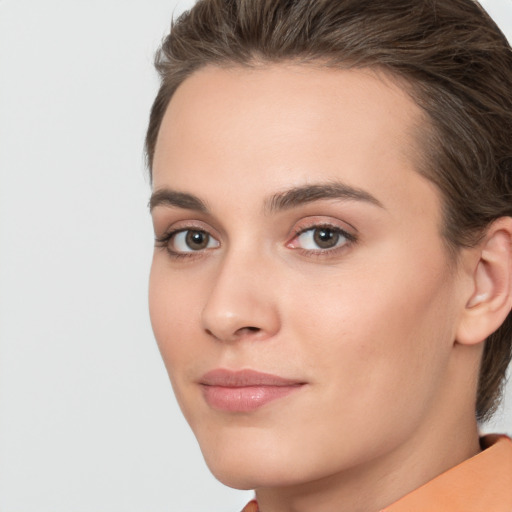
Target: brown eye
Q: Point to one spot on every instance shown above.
(191, 240)
(326, 238)
(197, 240)
(321, 239)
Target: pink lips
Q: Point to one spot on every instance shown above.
(245, 390)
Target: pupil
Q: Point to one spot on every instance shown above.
(197, 239)
(326, 238)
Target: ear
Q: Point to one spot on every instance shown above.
(491, 287)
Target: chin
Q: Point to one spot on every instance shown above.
(238, 468)
(258, 465)
(248, 476)
(239, 481)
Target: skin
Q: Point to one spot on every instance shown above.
(369, 326)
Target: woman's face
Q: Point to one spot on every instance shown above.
(297, 241)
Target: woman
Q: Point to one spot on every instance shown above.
(331, 283)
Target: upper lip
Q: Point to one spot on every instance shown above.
(244, 378)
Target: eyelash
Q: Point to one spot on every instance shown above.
(350, 239)
(163, 241)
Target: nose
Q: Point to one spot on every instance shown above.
(242, 301)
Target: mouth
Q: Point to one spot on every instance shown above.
(245, 390)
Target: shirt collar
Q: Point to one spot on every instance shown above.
(483, 482)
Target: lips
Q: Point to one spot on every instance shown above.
(245, 390)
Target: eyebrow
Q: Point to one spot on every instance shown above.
(297, 196)
(168, 197)
(288, 199)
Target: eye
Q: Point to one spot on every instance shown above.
(192, 240)
(321, 238)
(186, 241)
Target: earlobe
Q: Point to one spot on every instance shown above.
(491, 298)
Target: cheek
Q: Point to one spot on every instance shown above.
(172, 304)
(380, 334)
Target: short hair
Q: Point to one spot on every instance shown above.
(454, 61)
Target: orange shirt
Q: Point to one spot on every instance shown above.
(482, 483)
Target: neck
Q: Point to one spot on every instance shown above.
(380, 482)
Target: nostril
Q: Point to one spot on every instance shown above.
(239, 333)
(212, 334)
(247, 330)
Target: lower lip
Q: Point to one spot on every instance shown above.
(246, 398)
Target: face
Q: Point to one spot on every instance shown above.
(300, 293)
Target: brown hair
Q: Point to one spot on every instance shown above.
(457, 66)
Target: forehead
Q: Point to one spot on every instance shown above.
(283, 102)
(281, 125)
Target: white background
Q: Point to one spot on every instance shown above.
(87, 418)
